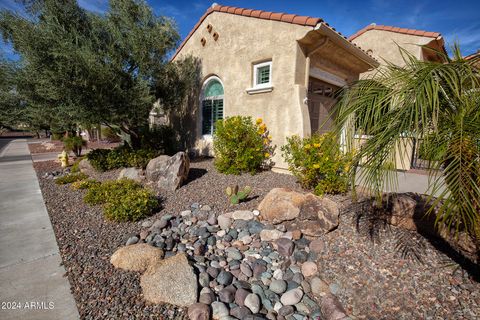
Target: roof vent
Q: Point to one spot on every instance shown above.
(373, 24)
(214, 4)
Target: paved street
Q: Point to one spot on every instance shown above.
(32, 281)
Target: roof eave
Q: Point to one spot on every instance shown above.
(347, 45)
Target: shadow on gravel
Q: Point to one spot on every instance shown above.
(373, 222)
(194, 174)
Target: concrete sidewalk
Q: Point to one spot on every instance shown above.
(32, 281)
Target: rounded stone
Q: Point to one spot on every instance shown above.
(319, 287)
(224, 278)
(292, 297)
(309, 269)
(285, 247)
(317, 246)
(199, 311)
(286, 311)
(132, 240)
(227, 294)
(278, 286)
(219, 310)
(224, 222)
(252, 302)
(240, 296)
(242, 215)
(246, 270)
(240, 312)
(203, 279)
(206, 298)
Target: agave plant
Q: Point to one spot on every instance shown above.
(438, 102)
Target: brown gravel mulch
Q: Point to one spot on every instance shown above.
(57, 146)
(373, 279)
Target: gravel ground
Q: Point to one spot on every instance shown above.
(372, 279)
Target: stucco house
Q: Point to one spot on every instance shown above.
(280, 67)
(383, 42)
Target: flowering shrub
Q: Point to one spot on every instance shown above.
(318, 163)
(242, 145)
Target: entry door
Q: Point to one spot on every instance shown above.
(320, 104)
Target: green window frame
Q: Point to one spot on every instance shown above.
(212, 105)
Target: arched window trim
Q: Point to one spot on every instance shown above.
(211, 98)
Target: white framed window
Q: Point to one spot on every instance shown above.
(262, 78)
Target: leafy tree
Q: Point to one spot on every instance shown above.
(435, 101)
(11, 112)
(86, 68)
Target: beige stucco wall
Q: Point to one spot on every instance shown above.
(384, 46)
(242, 42)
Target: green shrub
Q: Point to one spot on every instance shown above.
(57, 136)
(84, 184)
(123, 200)
(318, 163)
(70, 178)
(98, 159)
(110, 135)
(131, 206)
(74, 144)
(75, 168)
(122, 156)
(161, 138)
(241, 145)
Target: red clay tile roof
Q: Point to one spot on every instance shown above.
(275, 16)
(397, 30)
(473, 55)
(283, 17)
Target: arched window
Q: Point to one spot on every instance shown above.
(212, 104)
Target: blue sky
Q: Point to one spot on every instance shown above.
(456, 20)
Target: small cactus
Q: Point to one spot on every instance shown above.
(236, 196)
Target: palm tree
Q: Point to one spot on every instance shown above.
(439, 102)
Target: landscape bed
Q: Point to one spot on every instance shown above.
(371, 279)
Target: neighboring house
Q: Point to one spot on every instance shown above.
(474, 57)
(280, 67)
(383, 42)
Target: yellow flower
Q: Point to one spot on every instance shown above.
(267, 154)
(259, 120)
(266, 141)
(307, 146)
(316, 166)
(269, 137)
(317, 145)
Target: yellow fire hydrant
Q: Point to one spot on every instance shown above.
(63, 157)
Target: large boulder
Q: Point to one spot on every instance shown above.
(280, 205)
(403, 212)
(168, 172)
(170, 281)
(312, 215)
(86, 167)
(132, 173)
(137, 257)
